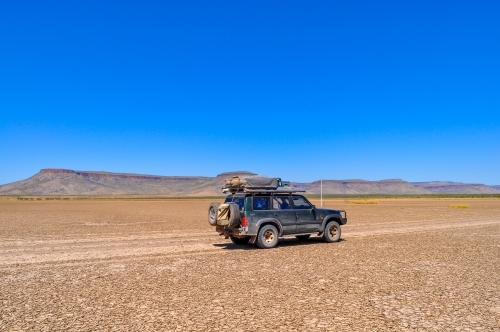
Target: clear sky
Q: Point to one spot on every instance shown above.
(298, 89)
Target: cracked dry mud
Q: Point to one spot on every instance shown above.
(403, 264)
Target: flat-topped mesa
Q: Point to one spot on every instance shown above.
(104, 174)
(354, 181)
(56, 170)
(94, 175)
(444, 184)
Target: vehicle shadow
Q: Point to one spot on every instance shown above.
(232, 246)
(291, 242)
(283, 242)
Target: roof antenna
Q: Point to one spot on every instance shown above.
(321, 192)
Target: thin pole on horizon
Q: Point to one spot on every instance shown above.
(321, 192)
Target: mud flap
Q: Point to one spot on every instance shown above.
(252, 239)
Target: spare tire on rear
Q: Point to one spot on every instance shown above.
(234, 215)
(212, 213)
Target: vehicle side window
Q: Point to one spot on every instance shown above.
(300, 203)
(261, 203)
(240, 201)
(281, 203)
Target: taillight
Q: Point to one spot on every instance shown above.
(244, 222)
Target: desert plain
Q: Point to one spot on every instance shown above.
(408, 264)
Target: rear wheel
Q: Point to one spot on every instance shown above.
(303, 237)
(332, 232)
(267, 237)
(240, 240)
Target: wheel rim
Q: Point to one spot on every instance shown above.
(212, 214)
(333, 231)
(269, 237)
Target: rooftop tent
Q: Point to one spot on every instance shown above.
(252, 182)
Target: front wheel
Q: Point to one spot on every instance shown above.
(240, 240)
(267, 237)
(332, 232)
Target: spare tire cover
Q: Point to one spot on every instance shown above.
(223, 215)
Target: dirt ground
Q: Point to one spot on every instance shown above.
(402, 264)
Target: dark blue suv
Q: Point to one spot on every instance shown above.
(262, 216)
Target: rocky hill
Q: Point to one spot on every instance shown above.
(69, 182)
(393, 187)
(442, 187)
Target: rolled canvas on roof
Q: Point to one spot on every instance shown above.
(253, 182)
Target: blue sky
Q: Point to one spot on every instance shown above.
(298, 89)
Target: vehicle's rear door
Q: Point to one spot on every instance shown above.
(306, 221)
(282, 210)
(261, 206)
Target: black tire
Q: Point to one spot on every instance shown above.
(234, 215)
(303, 237)
(332, 232)
(240, 240)
(212, 213)
(267, 237)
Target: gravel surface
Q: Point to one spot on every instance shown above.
(402, 264)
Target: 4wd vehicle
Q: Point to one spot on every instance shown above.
(260, 210)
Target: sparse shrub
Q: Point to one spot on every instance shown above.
(459, 206)
(362, 201)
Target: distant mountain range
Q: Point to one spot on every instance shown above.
(54, 181)
(443, 187)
